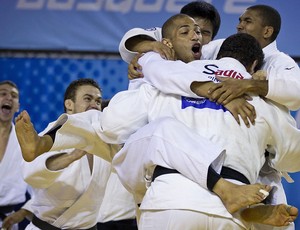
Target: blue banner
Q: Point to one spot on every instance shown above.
(98, 25)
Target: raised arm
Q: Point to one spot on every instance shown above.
(71, 131)
(194, 79)
(174, 77)
(282, 84)
(134, 41)
(138, 41)
(230, 89)
(91, 130)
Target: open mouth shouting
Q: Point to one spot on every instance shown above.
(6, 109)
(196, 48)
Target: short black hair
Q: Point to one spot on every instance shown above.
(243, 47)
(104, 103)
(204, 10)
(11, 83)
(71, 90)
(270, 17)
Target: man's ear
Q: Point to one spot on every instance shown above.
(252, 67)
(269, 30)
(69, 104)
(167, 42)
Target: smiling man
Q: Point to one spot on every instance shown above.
(12, 186)
(69, 185)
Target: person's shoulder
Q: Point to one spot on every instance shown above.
(210, 50)
(275, 56)
(152, 54)
(280, 58)
(216, 42)
(283, 55)
(150, 57)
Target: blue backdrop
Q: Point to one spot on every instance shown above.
(42, 81)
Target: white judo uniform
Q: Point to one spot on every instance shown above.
(69, 198)
(283, 71)
(244, 146)
(118, 203)
(283, 79)
(12, 186)
(127, 55)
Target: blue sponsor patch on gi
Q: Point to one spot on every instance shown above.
(200, 103)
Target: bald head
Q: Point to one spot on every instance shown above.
(172, 24)
(182, 34)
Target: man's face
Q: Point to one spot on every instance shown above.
(186, 40)
(9, 102)
(87, 97)
(206, 29)
(250, 22)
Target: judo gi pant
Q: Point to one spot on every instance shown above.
(184, 219)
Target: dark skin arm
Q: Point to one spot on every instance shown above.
(230, 88)
(134, 68)
(215, 92)
(143, 44)
(237, 107)
(63, 160)
(16, 217)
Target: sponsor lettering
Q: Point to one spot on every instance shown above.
(200, 103)
(229, 73)
(210, 69)
(126, 6)
(213, 71)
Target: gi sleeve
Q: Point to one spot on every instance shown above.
(211, 50)
(127, 55)
(173, 77)
(80, 131)
(92, 130)
(284, 141)
(126, 113)
(284, 82)
(37, 174)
